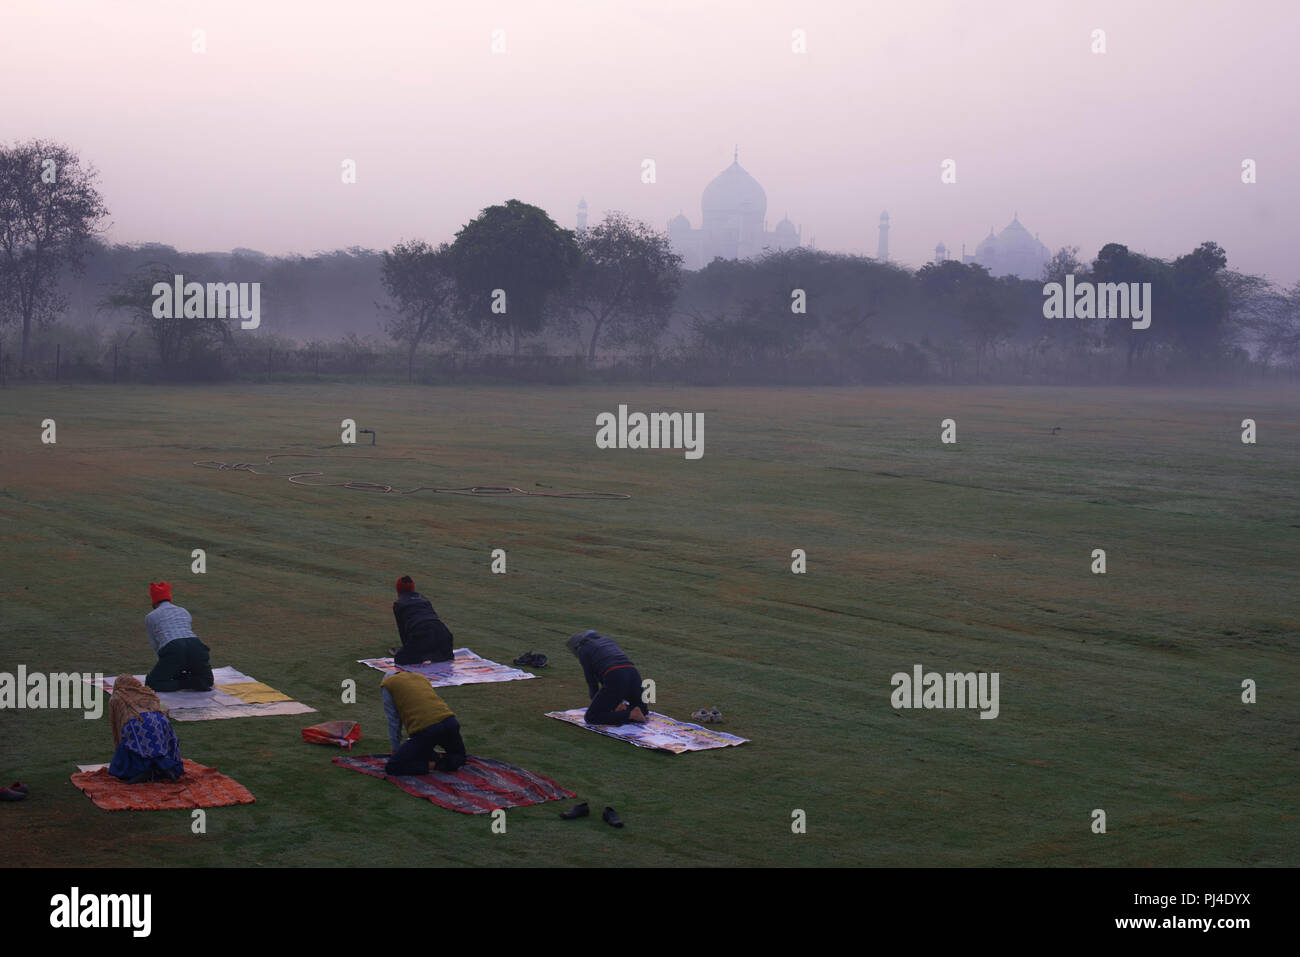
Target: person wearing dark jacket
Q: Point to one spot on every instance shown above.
(612, 680)
(424, 636)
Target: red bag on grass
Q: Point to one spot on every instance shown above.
(342, 733)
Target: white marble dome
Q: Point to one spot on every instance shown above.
(734, 191)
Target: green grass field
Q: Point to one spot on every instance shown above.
(1119, 691)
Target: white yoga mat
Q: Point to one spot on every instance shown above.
(466, 668)
(661, 732)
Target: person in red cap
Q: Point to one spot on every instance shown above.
(183, 660)
(424, 636)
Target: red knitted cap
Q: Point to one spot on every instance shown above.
(160, 591)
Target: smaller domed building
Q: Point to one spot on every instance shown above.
(1012, 252)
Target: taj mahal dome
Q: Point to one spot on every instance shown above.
(734, 223)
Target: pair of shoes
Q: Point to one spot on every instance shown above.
(15, 792)
(531, 660)
(708, 716)
(610, 816)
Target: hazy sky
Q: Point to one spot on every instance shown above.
(242, 145)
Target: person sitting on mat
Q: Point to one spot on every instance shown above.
(146, 745)
(612, 679)
(424, 636)
(183, 661)
(411, 703)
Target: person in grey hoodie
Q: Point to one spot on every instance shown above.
(612, 680)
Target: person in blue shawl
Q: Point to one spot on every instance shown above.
(147, 749)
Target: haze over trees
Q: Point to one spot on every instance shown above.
(134, 295)
(859, 321)
(427, 309)
(49, 212)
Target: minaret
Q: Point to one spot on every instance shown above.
(582, 217)
(882, 247)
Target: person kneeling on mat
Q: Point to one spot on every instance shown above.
(183, 662)
(424, 636)
(147, 749)
(612, 680)
(411, 703)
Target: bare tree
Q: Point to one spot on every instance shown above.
(49, 211)
(420, 281)
(1263, 317)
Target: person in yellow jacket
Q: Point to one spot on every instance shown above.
(411, 703)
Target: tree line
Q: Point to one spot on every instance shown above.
(513, 282)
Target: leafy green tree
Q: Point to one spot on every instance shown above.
(419, 279)
(518, 249)
(1201, 302)
(1073, 335)
(966, 294)
(1116, 263)
(626, 282)
(951, 280)
(986, 321)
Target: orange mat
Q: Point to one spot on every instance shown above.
(199, 786)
